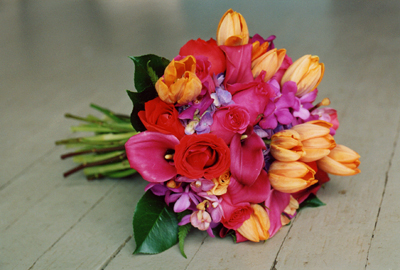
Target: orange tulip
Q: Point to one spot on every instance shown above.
(286, 146)
(179, 83)
(290, 177)
(269, 61)
(306, 72)
(257, 226)
(232, 29)
(316, 140)
(340, 161)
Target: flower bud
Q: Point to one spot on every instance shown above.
(306, 72)
(256, 227)
(290, 177)
(269, 61)
(179, 83)
(340, 161)
(286, 146)
(232, 30)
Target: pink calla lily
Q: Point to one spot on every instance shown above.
(247, 159)
(146, 154)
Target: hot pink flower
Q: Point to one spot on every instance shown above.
(230, 120)
(146, 154)
(247, 158)
(238, 64)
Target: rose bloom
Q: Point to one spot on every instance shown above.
(161, 117)
(209, 49)
(235, 215)
(230, 120)
(203, 155)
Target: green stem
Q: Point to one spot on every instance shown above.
(109, 113)
(98, 163)
(94, 150)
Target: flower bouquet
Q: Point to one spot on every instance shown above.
(228, 136)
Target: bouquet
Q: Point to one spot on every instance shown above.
(227, 134)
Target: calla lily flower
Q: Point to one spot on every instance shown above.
(247, 158)
(146, 154)
(232, 29)
(340, 161)
(306, 72)
(290, 177)
(276, 203)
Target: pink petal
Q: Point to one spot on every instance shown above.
(275, 204)
(146, 154)
(238, 64)
(256, 193)
(247, 158)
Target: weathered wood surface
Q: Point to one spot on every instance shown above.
(58, 57)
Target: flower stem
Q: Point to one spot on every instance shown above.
(94, 150)
(92, 164)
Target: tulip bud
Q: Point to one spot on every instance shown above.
(340, 161)
(269, 61)
(179, 83)
(317, 142)
(291, 177)
(256, 227)
(286, 146)
(306, 72)
(232, 30)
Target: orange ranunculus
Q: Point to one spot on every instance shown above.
(306, 72)
(232, 30)
(221, 184)
(317, 142)
(268, 61)
(291, 177)
(179, 83)
(256, 227)
(286, 146)
(340, 161)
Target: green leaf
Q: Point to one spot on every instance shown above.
(138, 100)
(142, 78)
(311, 201)
(182, 233)
(155, 225)
(147, 70)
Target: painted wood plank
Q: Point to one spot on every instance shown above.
(385, 246)
(48, 220)
(100, 234)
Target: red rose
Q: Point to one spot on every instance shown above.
(234, 214)
(203, 155)
(161, 117)
(209, 49)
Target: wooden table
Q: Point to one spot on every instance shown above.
(59, 56)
